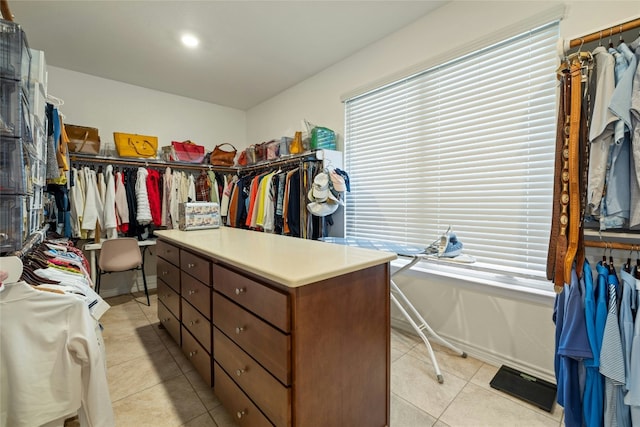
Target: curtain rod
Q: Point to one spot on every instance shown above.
(610, 31)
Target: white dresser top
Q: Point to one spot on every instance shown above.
(290, 261)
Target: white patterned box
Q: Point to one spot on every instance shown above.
(199, 215)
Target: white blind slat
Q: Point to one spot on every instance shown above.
(469, 144)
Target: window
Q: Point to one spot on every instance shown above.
(467, 144)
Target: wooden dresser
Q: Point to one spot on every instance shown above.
(283, 341)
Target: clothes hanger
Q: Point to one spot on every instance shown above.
(638, 262)
(55, 101)
(627, 266)
(610, 42)
(13, 266)
(621, 39)
(612, 269)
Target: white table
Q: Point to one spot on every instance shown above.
(93, 247)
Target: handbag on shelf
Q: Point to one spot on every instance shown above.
(187, 151)
(83, 139)
(242, 158)
(220, 157)
(296, 145)
(134, 145)
(273, 149)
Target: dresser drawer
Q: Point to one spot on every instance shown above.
(168, 273)
(197, 294)
(265, 302)
(168, 252)
(242, 410)
(197, 324)
(268, 393)
(169, 321)
(269, 346)
(200, 359)
(196, 266)
(169, 297)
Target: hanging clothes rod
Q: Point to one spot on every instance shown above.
(612, 245)
(32, 241)
(271, 163)
(611, 31)
(147, 163)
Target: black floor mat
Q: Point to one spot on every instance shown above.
(533, 390)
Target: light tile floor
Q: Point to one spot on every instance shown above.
(152, 383)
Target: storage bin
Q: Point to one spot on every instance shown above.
(14, 111)
(13, 166)
(13, 222)
(38, 69)
(15, 57)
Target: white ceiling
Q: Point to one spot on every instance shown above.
(249, 50)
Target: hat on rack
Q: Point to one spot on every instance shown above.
(322, 209)
(337, 182)
(320, 189)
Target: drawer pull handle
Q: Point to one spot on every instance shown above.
(168, 295)
(193, 353)
(193, 322)
(165, 320)
(242, 413)
(239, 372)
(191, 292)
(240, 291)
(239, 329)
(190, 265)
(164, 273)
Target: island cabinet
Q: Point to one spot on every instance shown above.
(281, 349)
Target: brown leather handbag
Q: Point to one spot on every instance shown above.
(83, 139)
(220, 157)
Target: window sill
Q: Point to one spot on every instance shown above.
(532, 290)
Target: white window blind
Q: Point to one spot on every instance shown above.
(468, 144)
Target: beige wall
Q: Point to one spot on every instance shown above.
(497, 326)
(113, 106)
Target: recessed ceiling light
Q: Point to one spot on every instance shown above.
(190, 40)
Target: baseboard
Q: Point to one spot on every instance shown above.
(483, 354)
(138, 286)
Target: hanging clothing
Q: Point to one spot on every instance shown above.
(93, 210)
(59, 346)
(122, 206)
(601, 129)
(612, 363)
(595, 303)
(153, 192)
(76, 201)
(634, 112)
(166, 198)
(175, 201)
(143, 212)
(110, 220)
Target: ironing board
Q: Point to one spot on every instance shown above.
(416, 253)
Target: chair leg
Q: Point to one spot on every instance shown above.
(98, 282)
(146, 290)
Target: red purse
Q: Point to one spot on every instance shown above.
(187, 151)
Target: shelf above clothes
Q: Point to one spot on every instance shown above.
(148, 162)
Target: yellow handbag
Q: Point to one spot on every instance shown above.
(134, 145)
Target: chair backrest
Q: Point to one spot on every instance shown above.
(119, 254)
